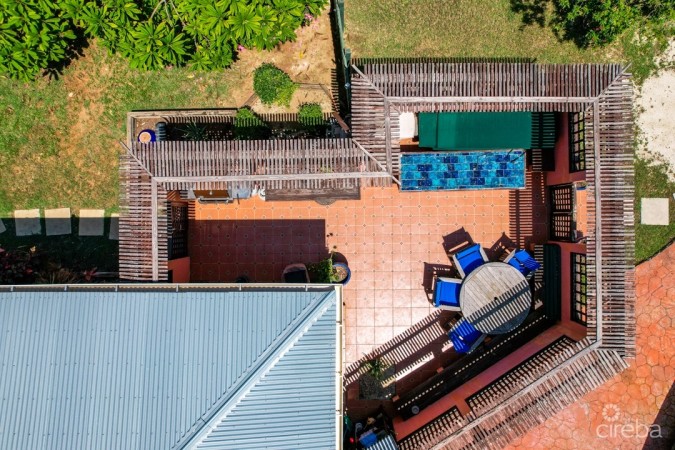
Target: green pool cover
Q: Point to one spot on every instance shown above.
(475, 130)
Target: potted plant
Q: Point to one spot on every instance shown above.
(377, 381)
(329, 271)
(341, 273)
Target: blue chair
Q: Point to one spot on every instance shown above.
(446, 293)
(465, 337)
(468, 259)
(523, 261)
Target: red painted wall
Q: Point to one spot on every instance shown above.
(181, 269)
(562, 156)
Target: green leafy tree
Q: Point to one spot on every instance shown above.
(34, 35)
(598, 22)
(203, 34)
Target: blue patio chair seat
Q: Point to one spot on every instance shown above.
(446, 293)
(523, 261)
(469, 259)
(465, 337)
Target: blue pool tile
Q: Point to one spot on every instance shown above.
(463, 170)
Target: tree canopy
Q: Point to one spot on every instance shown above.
(598, 22)
(38, 35)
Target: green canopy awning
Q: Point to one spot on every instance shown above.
(475, 130)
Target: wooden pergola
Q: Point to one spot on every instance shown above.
(382, 90)
(150, 171)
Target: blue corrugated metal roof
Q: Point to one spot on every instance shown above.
(150, 370)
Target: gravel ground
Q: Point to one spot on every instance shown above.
(655, 105)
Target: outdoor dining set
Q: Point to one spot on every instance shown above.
(493, 296)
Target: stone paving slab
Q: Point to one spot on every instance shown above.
(2, 227)
(654, 211)
(625, 411)
(27, 222)
(114, 233)
(91, 222)
(57, 221)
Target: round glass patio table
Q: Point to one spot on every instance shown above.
(495, 298)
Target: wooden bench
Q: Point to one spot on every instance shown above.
(469, 366)
(552, 296)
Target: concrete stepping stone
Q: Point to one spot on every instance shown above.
(27, 222)
(654, 211)
(2, 227)
(91, 222)
(114, 234)
(57, 221)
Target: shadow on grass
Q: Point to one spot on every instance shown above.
(556, 15)
(532, 11)
(74, 51)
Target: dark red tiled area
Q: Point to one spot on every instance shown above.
(392, 240)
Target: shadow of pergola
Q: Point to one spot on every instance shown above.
(421, 344)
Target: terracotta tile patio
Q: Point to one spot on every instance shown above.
(642, 395)
(390, 239)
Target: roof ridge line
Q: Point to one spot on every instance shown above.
(288, 338)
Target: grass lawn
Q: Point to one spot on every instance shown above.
(464, 28)
(59, 144)
(652, 181)
(59, 138)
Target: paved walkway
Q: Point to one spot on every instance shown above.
(58, 222)
(634, 399)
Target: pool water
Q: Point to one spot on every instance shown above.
(495, 169)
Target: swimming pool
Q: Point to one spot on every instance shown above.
(496, 169)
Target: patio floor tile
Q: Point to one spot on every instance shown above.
(389, 239)
(654, 211)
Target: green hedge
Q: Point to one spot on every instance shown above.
(310, 114)
(273, 85)
(247, 125)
